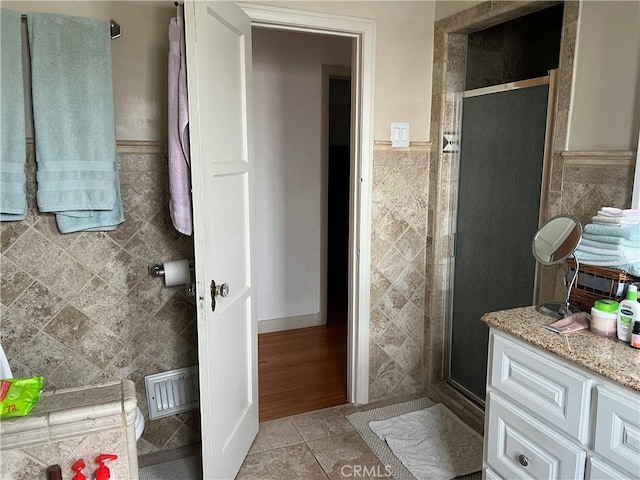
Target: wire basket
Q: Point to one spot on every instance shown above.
(595, 283)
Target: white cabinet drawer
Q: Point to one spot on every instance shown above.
(600, 470)
(617, 430)
(536, 381)
(522, 447)
(489, 474)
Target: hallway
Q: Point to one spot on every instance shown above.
(302, 370)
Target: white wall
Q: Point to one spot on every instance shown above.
(404, 58)
(287, 70)
(605, 111)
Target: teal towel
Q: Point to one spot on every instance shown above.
(609, 240)
(630, 268)
(100, 221)
(608, 247)
(616, 258)
(628, 232)
(13, 153)
(74, 121)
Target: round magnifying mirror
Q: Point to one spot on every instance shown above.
(557, 239)
(553, 244)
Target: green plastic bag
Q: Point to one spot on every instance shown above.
(18, 396)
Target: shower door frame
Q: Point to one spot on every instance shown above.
(550, 80)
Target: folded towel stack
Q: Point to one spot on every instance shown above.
(608, 245)
(617, 216)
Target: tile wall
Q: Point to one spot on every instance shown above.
(582, 183)
(81, 308)
(399, 243)
(591, 180)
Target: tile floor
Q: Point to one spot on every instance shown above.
(317, 445)
(311, 446)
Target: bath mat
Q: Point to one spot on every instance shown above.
(442, 422)
(189, 468)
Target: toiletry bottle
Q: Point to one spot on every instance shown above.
(54, 472)
(77, 467)
(635, 335)
(628, 313)
(103, 472)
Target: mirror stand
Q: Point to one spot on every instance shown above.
(560, 310)
(551, 309)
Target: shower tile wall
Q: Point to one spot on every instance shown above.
(591, 180)
(398, 246)
(81, 308)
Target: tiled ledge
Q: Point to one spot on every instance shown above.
(69, 424)
(72, 412)
(599, 157)
(135, 147)
(385, 145)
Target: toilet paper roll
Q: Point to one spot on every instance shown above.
(177, 273)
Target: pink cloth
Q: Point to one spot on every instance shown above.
(179, 163)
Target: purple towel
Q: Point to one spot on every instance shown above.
(179, 164)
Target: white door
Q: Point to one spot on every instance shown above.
(218, 39)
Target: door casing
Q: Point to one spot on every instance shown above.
(362, 31)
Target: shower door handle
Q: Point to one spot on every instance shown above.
(218, 290)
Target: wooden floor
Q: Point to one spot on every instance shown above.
(302, 370)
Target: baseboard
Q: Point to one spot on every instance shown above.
(289, 323)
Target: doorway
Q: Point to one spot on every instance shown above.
(303, 163)
(362, 34)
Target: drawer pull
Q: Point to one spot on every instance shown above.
(524, 461)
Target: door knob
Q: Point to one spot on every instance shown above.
(218, 290)
(524, 461)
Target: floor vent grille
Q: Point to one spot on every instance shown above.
(172, 392)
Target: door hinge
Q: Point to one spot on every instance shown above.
(452, 244)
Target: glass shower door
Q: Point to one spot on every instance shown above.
(501, 165)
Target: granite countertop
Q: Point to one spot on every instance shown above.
(608, 357)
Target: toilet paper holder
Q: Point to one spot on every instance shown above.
(157, 269)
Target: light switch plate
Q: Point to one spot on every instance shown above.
(399, 134)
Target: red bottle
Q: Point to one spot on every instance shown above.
(103, 472)
(77, 467)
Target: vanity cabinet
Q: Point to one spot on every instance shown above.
(545, 418)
